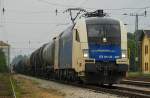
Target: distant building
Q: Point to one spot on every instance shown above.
(143, 37)
(6, 49)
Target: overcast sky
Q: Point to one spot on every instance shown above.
(35, 20)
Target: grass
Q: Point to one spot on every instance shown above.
(5, 84)
(27, 88)
(3, 67)
(17, 88)
(35, 82)
(138, 74)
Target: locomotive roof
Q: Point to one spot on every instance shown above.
(101, 20)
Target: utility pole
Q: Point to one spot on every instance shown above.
(136, 15)
(137, 55)
(136, 22)
(137, 42)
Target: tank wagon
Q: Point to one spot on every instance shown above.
(93, 50)
(20, 63)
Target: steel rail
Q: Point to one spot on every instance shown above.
(12, 86)
(137, 83)
(117, 90)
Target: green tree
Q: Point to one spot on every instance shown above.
(133, 51)
(3, 66)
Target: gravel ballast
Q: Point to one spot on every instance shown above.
(70, 91)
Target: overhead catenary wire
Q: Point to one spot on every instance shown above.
(30, 11)
(56, 4)
(83, 2)
(14, 22)
(59, 11)
(21, 48)
(63, 5)
(39, 12)
(27, 12)
(117, 9)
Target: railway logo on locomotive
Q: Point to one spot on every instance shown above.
(104, 52)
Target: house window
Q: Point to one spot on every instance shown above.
(77, 36)
(146, 49)
(146, 66)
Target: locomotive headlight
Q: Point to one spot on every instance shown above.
(124, 54)
(85, 54)
(104, 39)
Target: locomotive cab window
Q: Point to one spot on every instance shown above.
(99, 32)
(77, 35)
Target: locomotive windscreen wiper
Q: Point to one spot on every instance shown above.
(102, 32)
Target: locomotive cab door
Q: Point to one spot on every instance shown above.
(56, 53)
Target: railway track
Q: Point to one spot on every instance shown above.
(116, 89)
(132, 91)
(5, 86)
(137, 83)
(120, 91)
(5, 91)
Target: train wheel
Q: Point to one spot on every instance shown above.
(101, 84)
(56, 75)
(110, 84)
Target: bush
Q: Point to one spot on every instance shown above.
(3, 66)
(138, 74)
